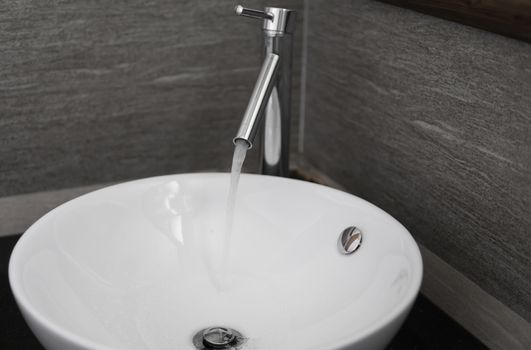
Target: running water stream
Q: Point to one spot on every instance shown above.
(240, 150)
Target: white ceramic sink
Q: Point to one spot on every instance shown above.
(136, 266)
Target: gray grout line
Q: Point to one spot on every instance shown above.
(304, 64)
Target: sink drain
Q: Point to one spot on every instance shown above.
(218, 338)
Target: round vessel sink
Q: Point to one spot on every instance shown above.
(143, 265)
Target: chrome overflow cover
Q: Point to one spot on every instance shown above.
(349, 240)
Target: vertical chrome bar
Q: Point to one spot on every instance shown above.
(275, 142)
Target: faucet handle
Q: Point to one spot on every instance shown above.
(277, 21)
(247, 12)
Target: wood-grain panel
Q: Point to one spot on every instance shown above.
(430, 120)
(508, 17)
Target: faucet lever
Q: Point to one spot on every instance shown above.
(247, 12)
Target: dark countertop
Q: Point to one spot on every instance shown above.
(426, 328)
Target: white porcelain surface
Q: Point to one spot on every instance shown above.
(136, 266)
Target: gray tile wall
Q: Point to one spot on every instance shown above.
(99, 91)
(430, 120)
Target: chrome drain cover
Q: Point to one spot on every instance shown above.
(218, 338)
(349, 240)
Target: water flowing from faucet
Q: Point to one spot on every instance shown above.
(240, 150)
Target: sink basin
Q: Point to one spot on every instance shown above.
(139, 266)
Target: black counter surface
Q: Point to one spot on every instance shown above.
(426, 328)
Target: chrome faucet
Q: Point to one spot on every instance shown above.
(271, 97)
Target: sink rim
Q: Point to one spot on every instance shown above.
(29, 311)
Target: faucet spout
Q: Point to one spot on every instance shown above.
(257, 104)
(270, 106)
